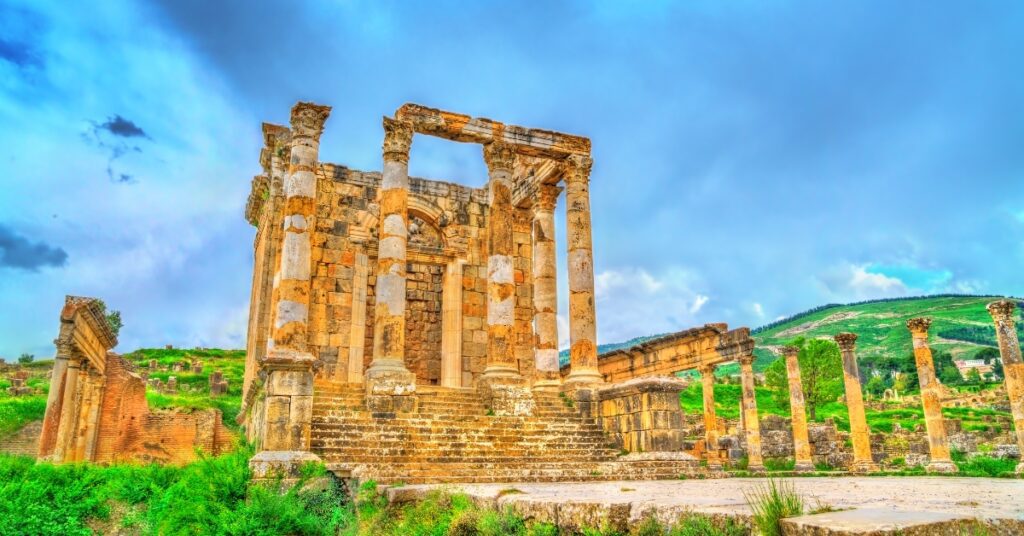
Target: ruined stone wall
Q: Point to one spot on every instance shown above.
(448, 222)
(128, 430)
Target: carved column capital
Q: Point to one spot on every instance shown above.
(577, 168)
(707, 370)
(746, 359)
(397, 140)
(846, 341)
(499, 156)
(545, 198)
(1002, 310)
(308, 119)
(919, 326)
(790, 350)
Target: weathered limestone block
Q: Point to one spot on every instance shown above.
(505, 398)
(643, 414)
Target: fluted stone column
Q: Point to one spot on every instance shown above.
(1013, 367)
(751, 423)
(859, 433)
(501, 287)
(545, 288)
(707, 378)
(288, 407)
(931, 399)
(292, 312)
(798, 414)
(582, 316)
(387, 374)
(68, 410)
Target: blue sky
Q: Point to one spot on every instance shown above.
(752, 159)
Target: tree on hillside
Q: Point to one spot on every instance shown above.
(821, 372)
(25, 359)
(950, 376)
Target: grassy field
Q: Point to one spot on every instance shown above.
(727, 405)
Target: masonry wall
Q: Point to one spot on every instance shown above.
(129, 431)
(452, 225)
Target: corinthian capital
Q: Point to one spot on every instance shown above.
(919, 326)
(308, 119)
(499, 156)
(746, 359)
(577, 168)
(397, 140)
(545, 198)
(846, 341)
(1002, 309)
(790, 350)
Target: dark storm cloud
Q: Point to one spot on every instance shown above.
(19, 252)
(111, 136)
(122, 127)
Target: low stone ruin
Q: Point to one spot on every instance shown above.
(218, 384)
(18, 387)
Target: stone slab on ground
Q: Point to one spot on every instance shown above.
(878, 521)
(995, 503)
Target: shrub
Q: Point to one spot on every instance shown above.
(772, 502)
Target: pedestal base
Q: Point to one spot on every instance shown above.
(864, 467)
(390, 389)
(804, 467)
(941, 467)
(280, 464)
(507, 395)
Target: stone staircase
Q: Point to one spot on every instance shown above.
(451, 438)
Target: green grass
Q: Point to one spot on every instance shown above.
(16, 412)
(727, 406)
(881, 326)
(771, 502)
(213, 495)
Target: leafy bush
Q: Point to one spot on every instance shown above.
(771, 502)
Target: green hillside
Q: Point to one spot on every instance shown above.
(961, 326)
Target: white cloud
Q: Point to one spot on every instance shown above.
(758, 309)
(852, 282)
(631, 301)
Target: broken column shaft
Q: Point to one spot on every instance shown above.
(931, 398)
(859, 433)
(1013, 367)
(752, 426)
(798, 414)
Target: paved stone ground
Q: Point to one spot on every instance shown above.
(884, 501)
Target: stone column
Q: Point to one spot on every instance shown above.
(288, 408)
(798, 414)
(707, 378)
(292, 311)
(451, 325)
(859, 434)
(68, 410)
(582, 316)
(58, 386)
(752, 426)
(357, 330)
(931, 399)
(545, 289)
(1013, 367)
(387, 375)
(501, 289)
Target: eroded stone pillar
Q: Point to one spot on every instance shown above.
(387, 375)
(931, 399)
(58, 388)
(859, 433)
(288, 408)
(1013, 367)
(501, 288)
(451, 325)
(357, 330)
(751, 423)
(582, 316)
(68, 411)
(798, 413)
(292, 312)
(545, 288)
(707, 378)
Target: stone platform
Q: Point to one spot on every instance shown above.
(868, 505)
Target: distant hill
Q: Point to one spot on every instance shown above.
(961, 326)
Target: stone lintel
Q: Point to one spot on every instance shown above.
(648, 384)
(288, 359)
(463, 128)
(285, 464)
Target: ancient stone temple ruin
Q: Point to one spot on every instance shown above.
(404, 329)
(96, 408)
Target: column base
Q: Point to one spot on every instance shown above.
(502, 374)
(584, 376)
(390, 388)
(864, 467)
(547, 385)
(804, 467)
(941, 467)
